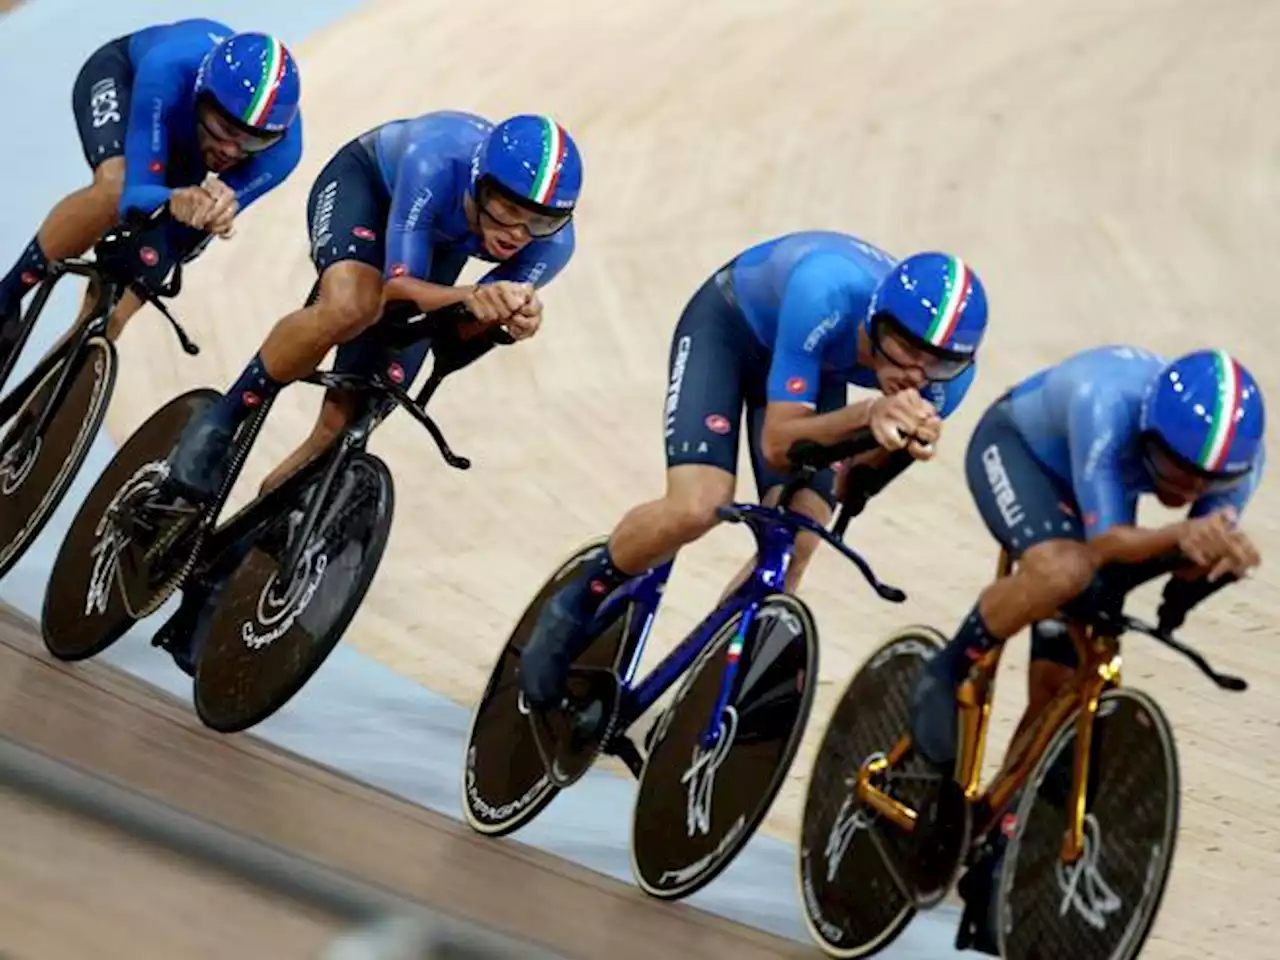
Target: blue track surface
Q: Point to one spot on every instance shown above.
(356, 715)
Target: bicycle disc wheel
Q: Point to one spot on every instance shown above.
(1103, 905)
(696, 808)
(271, 632)
(86, 608)
(852, 902)
(504, 781)
(35, 471)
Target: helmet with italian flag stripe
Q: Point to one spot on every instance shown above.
(1205, 410)
(534, 162)
(934, 301)
(253, 81)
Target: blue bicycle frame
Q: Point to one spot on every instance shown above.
(775, 530)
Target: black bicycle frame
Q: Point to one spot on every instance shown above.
(385, 397)
(111, 286)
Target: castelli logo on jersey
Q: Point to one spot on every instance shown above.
(396, 373)
(717, 424)
(250, 398)
(399, 270)
(149, 256)
(797, 385)
(156, 166)
(29, 278)
(364, 233)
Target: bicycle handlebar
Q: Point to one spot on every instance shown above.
(404, 324)
(811, 455)
(1102, 607)
(407, 325)
(1224, 680)
(134, 254)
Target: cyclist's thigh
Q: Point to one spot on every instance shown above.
(1022, 505)
(713, 356)
(368, 353)
(347, 211)
(832, 395)
(1021, 502)
(100, 100)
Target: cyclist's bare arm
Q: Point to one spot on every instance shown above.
(1211, 542)
(1131, 544)
(899, 420)
(785, 423)
(428, 296)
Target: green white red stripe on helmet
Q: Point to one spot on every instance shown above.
(956, 292)
(273, 67)
(554, 144)
(1225, 415)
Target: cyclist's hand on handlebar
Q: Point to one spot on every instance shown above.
(496, 302)
(1239, 558)
(1203, 539)
(1213, 543)
(896, 420)
(225, 207)
(192, 206)
(924, 440)
(526, 321)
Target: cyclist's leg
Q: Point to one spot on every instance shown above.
(712, 350)
(100, 102)
(1030, 514)
(363, 355)
(817, 501)
(346, 197)
(348, 254)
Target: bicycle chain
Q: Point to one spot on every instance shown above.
(251, 430)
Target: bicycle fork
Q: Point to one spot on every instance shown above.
(733, 657)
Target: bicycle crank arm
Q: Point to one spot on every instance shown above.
(874, 767)
(625, 749)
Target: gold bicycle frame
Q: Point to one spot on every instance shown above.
(1098, 668)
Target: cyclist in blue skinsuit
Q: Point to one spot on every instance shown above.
(395, 215)
(781, 331)
(157, 111)
(1057, 466)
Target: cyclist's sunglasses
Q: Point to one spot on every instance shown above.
(222, 126)
(539, 224)
(904, 349)
(1181, 475)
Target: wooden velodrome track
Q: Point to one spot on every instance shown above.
(1108, 168)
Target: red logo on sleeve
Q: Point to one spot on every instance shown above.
(156, 166)
(797, 385)
(364, 233)
(399, 270)
(717, 424)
